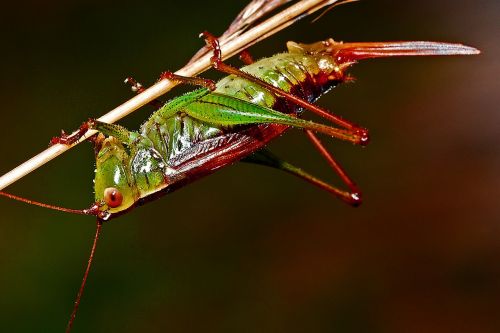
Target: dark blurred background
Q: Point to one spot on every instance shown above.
(250, 249)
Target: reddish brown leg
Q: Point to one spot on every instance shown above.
(265, 157)
(196, 81)
(69, 139)
(246, 57)
(85, 276)
(66, 139)
(359, 132)
(138, 88)
(354, 197)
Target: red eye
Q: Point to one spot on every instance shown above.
(113, 197)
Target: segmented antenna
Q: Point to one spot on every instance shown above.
(85, 275)
(93, 210)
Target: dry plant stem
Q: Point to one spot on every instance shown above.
(254, 11)
(232, 47)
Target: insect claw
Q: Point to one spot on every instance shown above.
(355, 199)
(62, 139)
(134, 85)
(167, 75)
(66, 139)
(216, 62)
(364, 137)
(213, 43)
(349, 79)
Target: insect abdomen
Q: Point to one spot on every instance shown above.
(296, 73)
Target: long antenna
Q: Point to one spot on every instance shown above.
(91, 211)
(85, 275)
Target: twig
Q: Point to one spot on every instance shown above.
(254, 11)
(272, 25)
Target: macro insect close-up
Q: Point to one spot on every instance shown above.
(234, 243)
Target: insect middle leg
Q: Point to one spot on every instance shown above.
(138, 88)
(156, 103)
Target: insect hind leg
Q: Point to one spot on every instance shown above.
(266, 158)
(218, 64)
(355, 191)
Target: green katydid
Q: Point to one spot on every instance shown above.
(231, 120)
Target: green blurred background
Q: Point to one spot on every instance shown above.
(249, 249)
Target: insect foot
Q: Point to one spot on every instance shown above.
(195, 81)
(355, 199)
(66, 139)
(364, 137)
(134, 85)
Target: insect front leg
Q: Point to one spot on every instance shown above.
(117, 131)
(69, 139)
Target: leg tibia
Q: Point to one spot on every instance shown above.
(264, 157)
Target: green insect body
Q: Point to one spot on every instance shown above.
(139, 164)
(197, 133)
(206, 129)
